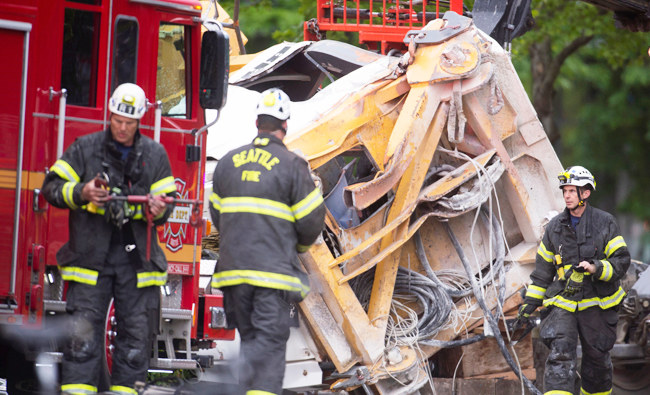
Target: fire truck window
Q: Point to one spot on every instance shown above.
(80, 50)
(172, 77)
(125, 52)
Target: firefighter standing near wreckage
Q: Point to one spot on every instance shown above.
(105, 255)
(578, 268)
(267, 209)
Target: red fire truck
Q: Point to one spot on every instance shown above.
(62, 59)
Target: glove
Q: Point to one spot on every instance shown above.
(523, 315)
(117, 212)
(526, 310)
(574, 283)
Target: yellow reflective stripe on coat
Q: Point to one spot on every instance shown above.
(535, 292)
(604, 303)
(259, 279)
(68, 192)
(259, 392)
(583, 392)
(216, 201)
(79, 389)
(608, 271)
(79, 274)
(148, 279)
(544, 253)
(119, 389)
(571, 306)
(65, 171)
(307, 205)
(559, 301)
(256, 206)
(613, 245)
(557, 392)
(166, 185)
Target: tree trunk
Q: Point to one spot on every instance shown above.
(543, 92)
(545, 69)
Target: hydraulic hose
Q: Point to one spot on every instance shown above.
(436, 304)
(453, 343)
(500, 256)
(489, 318)
(422, 256)
(497, 266)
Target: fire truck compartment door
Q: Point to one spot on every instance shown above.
(13, 78)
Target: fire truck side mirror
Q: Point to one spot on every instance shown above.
(215, 64)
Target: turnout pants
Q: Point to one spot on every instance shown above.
(261, 315)
(596, 329)
(136, 310)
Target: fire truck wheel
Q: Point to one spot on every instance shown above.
(107, 361)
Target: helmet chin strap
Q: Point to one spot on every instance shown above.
(581, 202)
(284, 127)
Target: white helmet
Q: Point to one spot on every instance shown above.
(274, 102)
(129, 101)
(578, 176)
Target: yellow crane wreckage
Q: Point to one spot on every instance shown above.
(451, 137)
(438, 178)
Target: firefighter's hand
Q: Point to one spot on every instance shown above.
(588, 267)
(93, 193)
(523, 315)
(526, 310)
(156, 206)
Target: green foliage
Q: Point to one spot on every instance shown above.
(268, 22)
(612, 134)
(563, 21)
(602, 98)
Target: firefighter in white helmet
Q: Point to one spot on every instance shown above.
(578, 268)
(267, 210)
(105, 256)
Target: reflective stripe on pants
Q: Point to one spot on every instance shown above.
(135, 309)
